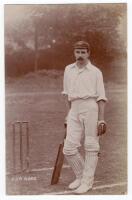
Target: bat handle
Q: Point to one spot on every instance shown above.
(65, 125)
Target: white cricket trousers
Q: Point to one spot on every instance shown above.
(82, 122)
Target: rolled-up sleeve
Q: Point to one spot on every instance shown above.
(100, 87)
(65, 86)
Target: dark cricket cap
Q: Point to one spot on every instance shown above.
(81, 45)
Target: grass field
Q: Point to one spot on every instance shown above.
(36, 98)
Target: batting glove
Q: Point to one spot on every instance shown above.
(101, 127)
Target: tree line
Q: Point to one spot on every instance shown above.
(42, 37)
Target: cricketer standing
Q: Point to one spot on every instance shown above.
(83, 88)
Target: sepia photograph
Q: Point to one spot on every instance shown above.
(66, 99)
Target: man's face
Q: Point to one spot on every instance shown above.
(81, 54)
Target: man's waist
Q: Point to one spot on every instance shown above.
(83, 105)
(82, 100)
(82, 97)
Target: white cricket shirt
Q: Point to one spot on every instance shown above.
(83, 83)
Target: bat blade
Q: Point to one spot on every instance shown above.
(58, 165)
(59, 162)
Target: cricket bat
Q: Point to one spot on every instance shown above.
(59, 162)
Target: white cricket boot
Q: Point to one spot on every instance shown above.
(83, 188)
(75, 184)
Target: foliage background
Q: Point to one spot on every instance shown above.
(41, 37)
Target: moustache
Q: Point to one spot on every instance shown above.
(80, 58)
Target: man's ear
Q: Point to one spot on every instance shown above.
(88, 54)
